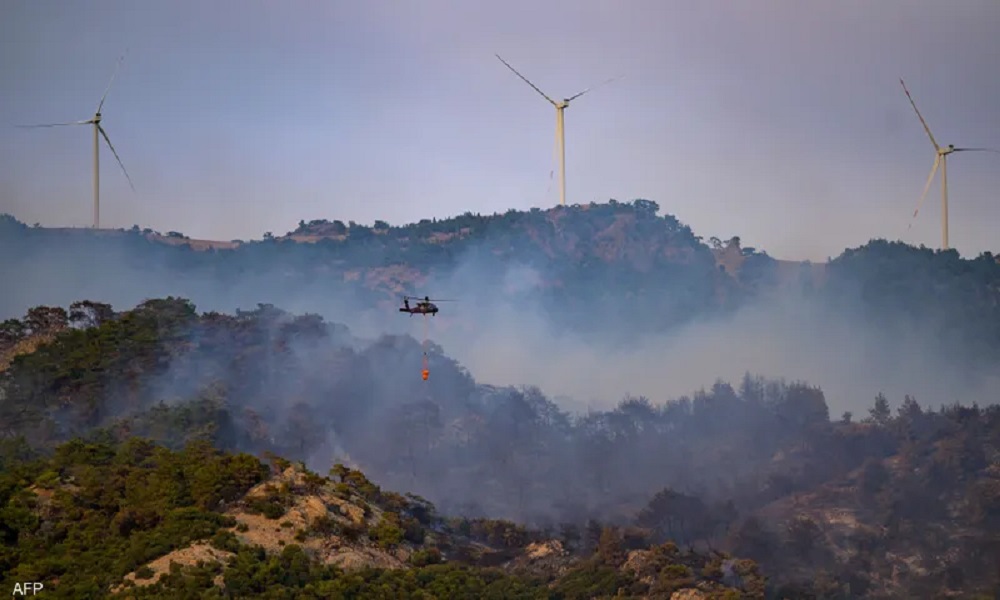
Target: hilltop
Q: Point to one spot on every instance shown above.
(129, 519)
(611, 273)
(581, 267)
(572, 252)
(729, 255)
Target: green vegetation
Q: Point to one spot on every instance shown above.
(272, 504)
(387, 532)
(108, 509)
(900, 503)
(766, 443)
(290, 574)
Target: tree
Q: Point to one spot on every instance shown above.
(610, 547)
(804, 406)
(86, 313)
(909, 409)
(647, 207)
(880, 413)
(340, 472)
(45, 319)
(675, 516)
(11, 332)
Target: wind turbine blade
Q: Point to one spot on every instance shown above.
(920, 116)
(108, 140)
(976, 150)
(533, 86)
(927, 187)
(54, 124)
(113, 75)
(594, 87)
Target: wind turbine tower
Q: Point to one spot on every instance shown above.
(940, 160)
(98, 133)
(560, 124)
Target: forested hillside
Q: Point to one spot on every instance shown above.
(891, 504)
(285, 346)
(130, 519)
(599, 259)
(615, 271)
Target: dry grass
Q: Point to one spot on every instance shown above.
(275, 534)
(185, 557)
(25, 346)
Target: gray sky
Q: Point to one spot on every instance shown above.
(779, 121)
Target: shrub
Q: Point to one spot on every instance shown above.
(324, 525)
(225, 540)
(387, 532)
(269, 507)
(352, 532)
(422, 558)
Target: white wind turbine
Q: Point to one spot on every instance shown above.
(98, 131)
(560, 129)
(940, 160)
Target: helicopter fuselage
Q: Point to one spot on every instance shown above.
(421, 309)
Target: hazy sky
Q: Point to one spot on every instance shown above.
(779, 121)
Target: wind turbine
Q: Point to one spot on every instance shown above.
(940, 160)
(560, 129)
(98, 132)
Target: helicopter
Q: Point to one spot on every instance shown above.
(424, 306)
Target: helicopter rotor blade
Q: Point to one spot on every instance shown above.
(428, 299)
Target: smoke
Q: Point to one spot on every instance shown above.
(501, 331)
(508, 338)
(788, 336)
(355, 395)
